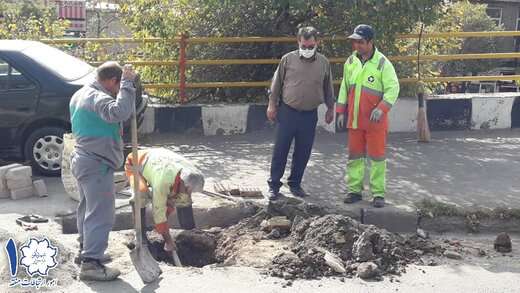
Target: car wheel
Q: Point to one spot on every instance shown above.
(44, 148)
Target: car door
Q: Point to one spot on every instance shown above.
(18, 101)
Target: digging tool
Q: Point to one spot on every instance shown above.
(146, 266)
(213, 194)
(423, 130)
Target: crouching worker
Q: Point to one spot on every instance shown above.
(166, 179)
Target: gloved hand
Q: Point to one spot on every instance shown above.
(340, 120)
(170, 246)
(376, 115)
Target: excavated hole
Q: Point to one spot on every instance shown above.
(195, 248)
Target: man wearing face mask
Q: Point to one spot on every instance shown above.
(172, 179)
(369, 89)
(97, 111)
(300, 84)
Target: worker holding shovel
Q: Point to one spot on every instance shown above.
(97, 111)
(172, 179)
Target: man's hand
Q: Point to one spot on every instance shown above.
(329, 116)
(128, 73)
(340, 120)
(376, 115)
(271, 112)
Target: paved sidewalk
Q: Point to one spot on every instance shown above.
(469, 169)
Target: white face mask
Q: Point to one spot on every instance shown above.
(307, 53)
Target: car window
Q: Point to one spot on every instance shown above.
(17, 81)
(12, 79)
(68, 67)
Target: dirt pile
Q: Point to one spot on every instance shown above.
(318, 245)
(338, 245)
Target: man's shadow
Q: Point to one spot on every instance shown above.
(120, 285)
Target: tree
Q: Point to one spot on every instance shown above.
(26, 19)
(461, 16)
(169, 18)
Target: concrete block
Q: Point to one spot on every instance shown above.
(3, 172)
(40, 188)
(403, 116)
(18, 172)
(491, 112)
(22, 193)
(148, 125)
(21, 182)
(224, 119)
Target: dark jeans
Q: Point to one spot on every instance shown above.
(299, 126)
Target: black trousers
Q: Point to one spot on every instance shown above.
(299, 126)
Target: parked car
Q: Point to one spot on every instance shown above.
(36, 84)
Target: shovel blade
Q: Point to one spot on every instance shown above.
(146, 266)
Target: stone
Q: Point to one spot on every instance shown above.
(422, 234)
(274, 234)
(452, 254)
(281, 223)
(22, 193)
(339, 238)
(215, 230)
(19, 183)
(18, 172)
(503, 243)
(363, 249)
(40, 189)
(334, 262)
(367, 270)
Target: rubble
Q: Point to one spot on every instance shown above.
(280, 223)
(367, 270)
(452, 254)
(503, 243)
(324, 245)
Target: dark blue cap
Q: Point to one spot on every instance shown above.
(363, 32)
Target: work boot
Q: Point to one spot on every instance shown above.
(353, 197)
(378, 202)
(77, 260)
(106, 258)
(273, 194)
(93, 270)
(298, 191)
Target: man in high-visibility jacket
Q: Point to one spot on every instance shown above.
(368, 91)
(172, 179)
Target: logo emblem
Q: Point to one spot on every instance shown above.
(37, 257)
(371, 79)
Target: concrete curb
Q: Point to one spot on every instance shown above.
(208, 213)
(445, 112)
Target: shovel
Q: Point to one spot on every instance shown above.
(146, 266)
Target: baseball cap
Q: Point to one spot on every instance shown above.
(363, 32)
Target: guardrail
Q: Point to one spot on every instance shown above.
(183, 42)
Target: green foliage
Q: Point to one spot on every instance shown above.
(25, 19)
(169, 18)
(461, 16)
